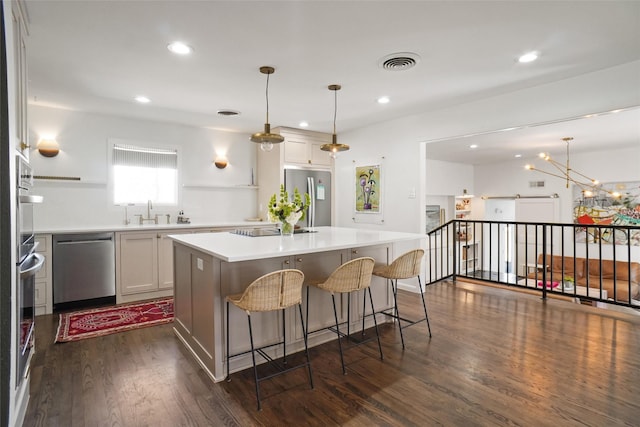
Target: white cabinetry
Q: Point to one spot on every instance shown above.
(144, 265)
(303, 148)
(43, 284)
(20, 33)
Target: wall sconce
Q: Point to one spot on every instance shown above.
(48, 147)
(221, 162)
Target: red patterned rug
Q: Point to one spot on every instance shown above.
(98, 322)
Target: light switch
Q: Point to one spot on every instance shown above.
(412, 192)
(200, 264)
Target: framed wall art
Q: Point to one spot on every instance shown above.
(368, 189)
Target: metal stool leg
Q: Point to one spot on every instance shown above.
(424, 305)
(255, 368)
(375, 322)
(284, 339)
(227, 337)
(364, 309)
(306, 347)
(349, 315)
(307, 314)
(394, 288)
(335, 315)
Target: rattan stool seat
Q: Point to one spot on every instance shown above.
(406, 266)
(354, 275)
(278, 290)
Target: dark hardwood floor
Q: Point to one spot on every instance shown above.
(497, 358)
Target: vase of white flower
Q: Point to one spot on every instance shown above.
(288, 212)
(286, 228)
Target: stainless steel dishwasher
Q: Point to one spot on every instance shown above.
(83, 270)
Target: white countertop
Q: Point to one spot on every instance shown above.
(233, 247)
(72, 229)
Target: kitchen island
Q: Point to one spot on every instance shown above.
(210, 266)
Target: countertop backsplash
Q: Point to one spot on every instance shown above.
(77, 206)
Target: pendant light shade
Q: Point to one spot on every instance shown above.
(266, 139)
(334, 148)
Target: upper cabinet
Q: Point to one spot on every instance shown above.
(302, 148)
(20, 33)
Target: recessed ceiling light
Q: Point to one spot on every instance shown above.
(472, 146)
(142, 99)
(517, 156)
(303, 124)
(383, 100)
(528, 57)
(179, 48)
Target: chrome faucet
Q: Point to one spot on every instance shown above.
(149, 207)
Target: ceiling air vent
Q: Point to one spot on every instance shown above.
(399, 61)
(536, 184)
(228, 112)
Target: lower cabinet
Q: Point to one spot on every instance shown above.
(144, 262)
(144, 265)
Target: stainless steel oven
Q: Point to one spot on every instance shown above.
(28, 264)
(24, 208)
(25, 303)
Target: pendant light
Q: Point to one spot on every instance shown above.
(334, 148)
(266, 139)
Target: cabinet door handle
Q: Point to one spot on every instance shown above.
(287, 262)
(355, 251)
(298, 259)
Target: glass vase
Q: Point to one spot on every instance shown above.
(286, 229)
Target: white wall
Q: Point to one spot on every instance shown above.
(448, 177)
(83, 139)
(401, 169)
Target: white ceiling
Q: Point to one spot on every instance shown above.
(97, 55)
(616, 129)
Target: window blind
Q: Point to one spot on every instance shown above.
(145, 157)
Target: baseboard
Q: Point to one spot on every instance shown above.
(409, 287)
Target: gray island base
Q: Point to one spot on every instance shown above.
(210, 266)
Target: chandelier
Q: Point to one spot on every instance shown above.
(334, 148)
(266, 139)
(590, 187)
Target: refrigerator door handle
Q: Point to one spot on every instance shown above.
(311, 188)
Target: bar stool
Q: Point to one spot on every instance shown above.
(273, 291)
(405, 266)
(351, 276)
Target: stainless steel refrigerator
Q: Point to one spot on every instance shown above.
(318, 184)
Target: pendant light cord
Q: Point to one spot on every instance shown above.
(335, 109)
(267, 96)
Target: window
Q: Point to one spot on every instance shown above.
(144, 173)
